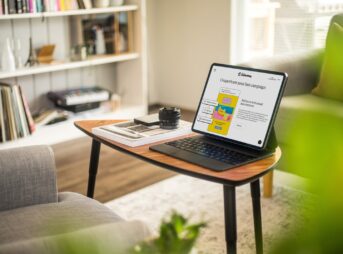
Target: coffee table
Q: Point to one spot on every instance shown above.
(230, 179)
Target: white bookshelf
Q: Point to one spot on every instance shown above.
(65, 131)
(125, 74)
(68, 65)
(70, 12)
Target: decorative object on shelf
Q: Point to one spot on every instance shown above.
(124, 39)
(32, 59)
(79, 99)
(7, 57)
(101, 3)
(17, 55)
(78, 53)
(100, 47)
(115, 29)
(122, 43)
(178, 231)
(99, 32)
(115, 102)
(45, 54)
(117, 2)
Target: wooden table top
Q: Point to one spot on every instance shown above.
(235, 176)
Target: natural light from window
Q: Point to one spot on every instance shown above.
(262, 28)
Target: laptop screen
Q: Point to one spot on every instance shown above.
(239, 104)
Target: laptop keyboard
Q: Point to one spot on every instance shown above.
(212, 151)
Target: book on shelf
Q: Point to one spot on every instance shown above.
(132, 134)
(15, 116)
(87, 4)
(50, 116)
(19, 6)
(38, 6)
(25, 8)
(12, 6)
(32, 6)
(9, 111)
(4, 8)
(28, 115)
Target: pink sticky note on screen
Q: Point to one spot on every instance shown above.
(227, 100)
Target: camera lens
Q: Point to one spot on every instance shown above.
(169, 117)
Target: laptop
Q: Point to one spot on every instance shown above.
(235, 118)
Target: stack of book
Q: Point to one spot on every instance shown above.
(35, 6)
(15, 116)
(135, 134)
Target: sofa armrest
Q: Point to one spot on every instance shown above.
(27, 177)
(118, 238)
(303, 69)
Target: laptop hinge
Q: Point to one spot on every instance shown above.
(272, 141)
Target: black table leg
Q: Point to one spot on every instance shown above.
(230, 219)
(256, 205)
(93, 167)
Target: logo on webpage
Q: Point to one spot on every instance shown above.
(242, 74)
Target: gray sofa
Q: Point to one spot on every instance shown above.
(35, 218)
(303, 75)
(304, 72)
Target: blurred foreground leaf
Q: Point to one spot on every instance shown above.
(177, 236)
(316, 151)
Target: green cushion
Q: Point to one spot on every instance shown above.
(291, 109)
(331, 79)
(293, 106)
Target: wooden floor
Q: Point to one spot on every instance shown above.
(118, 173)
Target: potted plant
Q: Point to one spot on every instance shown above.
(176, 236)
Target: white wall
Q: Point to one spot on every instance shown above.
(151, 10)
(185, 38)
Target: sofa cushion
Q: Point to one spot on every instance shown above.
(331, 78)
(72, 212)
(27, 177)
(293, 106)
(302, 67)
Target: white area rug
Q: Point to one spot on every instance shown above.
(204, 200)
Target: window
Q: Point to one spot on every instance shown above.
(262, 28)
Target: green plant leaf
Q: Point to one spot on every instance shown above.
(177, 236)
